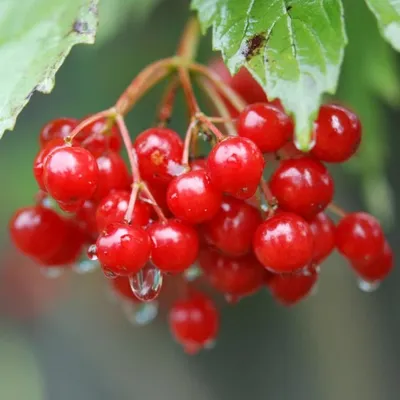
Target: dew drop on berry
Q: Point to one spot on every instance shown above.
(52, 273)
(147, 283)
(367, 287)
(92, 252)
(140, 314)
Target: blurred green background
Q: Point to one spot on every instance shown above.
(63, 339)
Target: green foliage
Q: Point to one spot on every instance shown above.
(294, 48)
(36, 36)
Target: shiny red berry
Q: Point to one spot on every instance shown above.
(194, 321)
(113, 175)
(232, 229)
(359, 237)
(235, 166)
(192, 197)
(37, 232)
(284, 243)
(86, 218)
(159, 152)
(57, 129)
(289, 289)
(70, 174)
(377, 269)
(198, 163)
(234, 276)
(123, 249)
(303, 186)
(266, 125)
(323, 230)
(113, 209)
(338, 134)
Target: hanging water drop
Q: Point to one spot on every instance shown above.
(147, 283)
(92, 252)
(140, 313)
(367, 287)
(52, 273)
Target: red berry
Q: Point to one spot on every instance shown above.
(192, 197)
(198, 163)
(232, 229)
(57, 129)
(378, 269)
(113, 208)
(41, 158)
(237, 277)
(70, 174)
(37, 232)
(159, 151)
(159, 192)
(303, 186)
(194, 321)
(122, 287)
(96, 138)
(359, 237)
(235, 166)
(323, 230)
(113, 175)
(123, 249)
(175, 245)
(266, 125)
(338, 134)
(284, 243)
(86, 219)
(72, 206)
(289, 289)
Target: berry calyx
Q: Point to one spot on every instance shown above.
(323, 230)
(359, 237)
(303, 186)
(175, 245)
(232, 228)
(123, 249)
(192, 197)
(159, 151)
(284, 243)
(338, 134)
(70, 174)
(266, 125)
(59, 128)
(194, 321)
(235, 166)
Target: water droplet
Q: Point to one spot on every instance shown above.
(192, 273)
(52, 273)
(109, 274)
(92, 252)
(85, 266)
(367, 287)
(140, 313)
(147, 283)
(176, 169)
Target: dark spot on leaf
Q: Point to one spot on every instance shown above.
(253, 45)
(288, 8)
(81, 27)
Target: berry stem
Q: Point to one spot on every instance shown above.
(132, 201)
(269, 198)
(189, 40)
(335, 209)
(203, 119)
(188, 90)
(153, 202)
(167, 102)
(188, 137)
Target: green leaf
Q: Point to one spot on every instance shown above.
(35, 38)
(388, 14)
(293, 48)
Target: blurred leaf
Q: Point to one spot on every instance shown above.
(388, 14)
(35, 38)
(370, 75)
(115, 13)
(293, 48)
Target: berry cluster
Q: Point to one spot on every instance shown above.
(179, 210)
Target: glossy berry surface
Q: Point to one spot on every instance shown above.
(113, 175)
(58, 128)
(266, 125)
(113, 209)
(235, 276)
(323, 230)
(123, 249)
(284, 243)
(338, 134)
(159, 152)
(303, 186)
(175, 245)
(232, 229)
(193, 198)
(289, 289)
(194, 321)
(359, 237)
(235, 166)
(377, 269)
(37, 232)
(70, 174)
(85, 217)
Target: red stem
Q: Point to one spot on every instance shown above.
(335, 209)
(153, 202)
(167, 102)
(269, 198)
(188, 138)
(132, 201)
(217, 133)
